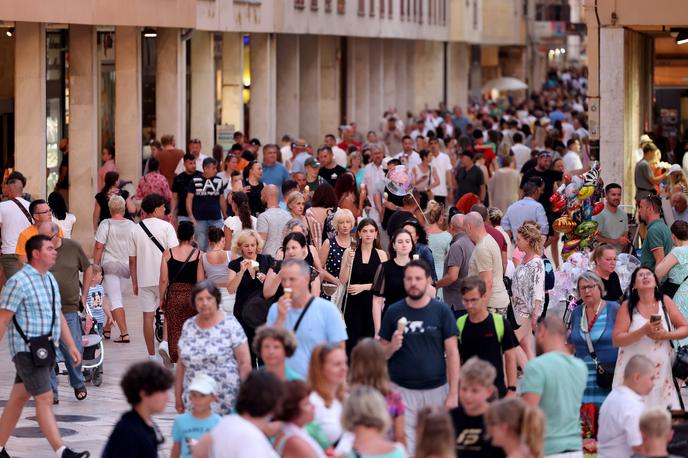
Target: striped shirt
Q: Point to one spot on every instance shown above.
(29, 296)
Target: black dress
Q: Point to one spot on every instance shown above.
(248, 288)
(358, 314)
(613, 288)
(389, 283)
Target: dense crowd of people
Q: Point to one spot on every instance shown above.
(304, 308)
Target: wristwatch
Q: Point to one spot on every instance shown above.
(511, 388)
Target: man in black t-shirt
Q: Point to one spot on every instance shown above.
(487, 335)
(416, 334)
(329, 169)
(469, 178)
(180, 185)
(205, 201)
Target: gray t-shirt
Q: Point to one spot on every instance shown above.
(272, 222)
(643, 180)
(460, 252)
(612, 225)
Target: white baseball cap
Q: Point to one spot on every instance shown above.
(675, 168)
(204, 384)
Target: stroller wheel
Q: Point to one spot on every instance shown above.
(97, 378)
(159, 323)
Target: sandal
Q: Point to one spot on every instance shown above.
(80, 393)
(124, 338)
(106, 335)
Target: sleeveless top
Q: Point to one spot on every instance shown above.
(217, 273)
(334, 258)
(290, 430)
(186, 275)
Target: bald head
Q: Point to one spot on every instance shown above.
(640, 365)
(554, 326)
(475, 220)
(457, 223)
(270, 195)
(48, 228)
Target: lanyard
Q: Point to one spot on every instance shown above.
(584, 318)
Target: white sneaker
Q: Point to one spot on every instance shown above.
(163, 351)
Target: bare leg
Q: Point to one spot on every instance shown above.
(555, 249)
(46, 419)
(121, 319)
(148, 323)
(12, 412)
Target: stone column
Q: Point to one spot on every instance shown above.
(403, 77)
(429, 74)
(458, 61)
(376, 89)
(390, 95)
(309, 89)
(83, 129)
(170, 85)
(233, 80)
(128, 120)
(330, 84)
(263, 87)
(29, 106)
(203, 90)
(288, 86)
(361, 77)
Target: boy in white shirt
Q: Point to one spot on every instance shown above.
(619, 431)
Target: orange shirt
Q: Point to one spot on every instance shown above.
(24, 237)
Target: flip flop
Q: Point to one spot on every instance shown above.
(124, 338)
(106, 335)
(80, 393)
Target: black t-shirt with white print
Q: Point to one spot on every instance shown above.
(206, 200)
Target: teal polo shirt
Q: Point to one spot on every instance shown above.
(658, 235)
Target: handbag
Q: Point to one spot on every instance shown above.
(679, 368)
(669, 288)
(604, 373)
(42, 348)
(116, 268)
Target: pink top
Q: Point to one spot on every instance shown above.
(108, 166)
(153, 182)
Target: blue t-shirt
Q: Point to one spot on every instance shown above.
(187, 427)
(419, 364)
(322, 323)
(560, 397)
(277, 174)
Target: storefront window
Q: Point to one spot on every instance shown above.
(57, 102)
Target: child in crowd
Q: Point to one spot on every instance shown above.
(434, 434)
(147, 389)
(655, 427)
(96, 302)
(517, 428)
(191, 426)
(475, 391)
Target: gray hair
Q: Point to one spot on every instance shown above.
(592, 277)
(291, 224)
(300, 263)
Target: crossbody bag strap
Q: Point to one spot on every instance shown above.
(151, 237)
(591, 348)
(186, 261)
(52, 320)
(23, 210)
(666, 317)
(298, 322)
(671, 342)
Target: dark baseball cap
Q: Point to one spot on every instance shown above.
(312, 162)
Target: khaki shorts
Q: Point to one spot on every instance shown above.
(10, 264)
(149, 298)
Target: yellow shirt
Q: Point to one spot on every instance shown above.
(24, 237)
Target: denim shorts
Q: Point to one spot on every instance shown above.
(36, 380)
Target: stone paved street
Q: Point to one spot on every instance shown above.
(101, 409)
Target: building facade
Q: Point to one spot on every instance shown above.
(102, 73)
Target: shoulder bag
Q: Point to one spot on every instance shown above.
(604, 373)
(151, 237)
(116, 268)
(679, 368)
(42, 348)
(23, 210)
(669, 288)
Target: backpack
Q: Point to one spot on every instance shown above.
(549, 274)
(497, 319)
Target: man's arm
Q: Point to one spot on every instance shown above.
(223, 204)
(452, 351)
(658, 254)
(531, 398)
(450, 276)
(134, 279)
(482, 192)
(88, 277)
(486, 276)
(174, 204)
(5, 318)
(510, 367)
(189, 205)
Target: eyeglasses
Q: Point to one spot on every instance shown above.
(587, 287)
(43, 212)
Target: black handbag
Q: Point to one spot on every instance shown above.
(668, 288)
(604, 373)
(255, 311)
(42, 348)
(680, 365)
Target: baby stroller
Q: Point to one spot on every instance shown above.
(94, 350)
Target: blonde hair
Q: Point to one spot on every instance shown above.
(369, 366)
(293, 196)
(434, 434)
(365, 406)
(655, 422)
(433, 211)
(117, 204)
(526, 421)
(341, 214)
(476, 370)
(600, 249)
(530, 231)
(241, 238)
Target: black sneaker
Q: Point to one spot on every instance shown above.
(69, 453)
(4, 453)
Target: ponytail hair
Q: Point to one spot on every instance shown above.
(526, 421)
(240, 199)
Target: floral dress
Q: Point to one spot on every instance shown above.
(528, 286)
(211, 351)
(663, 393)
(677, 275)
